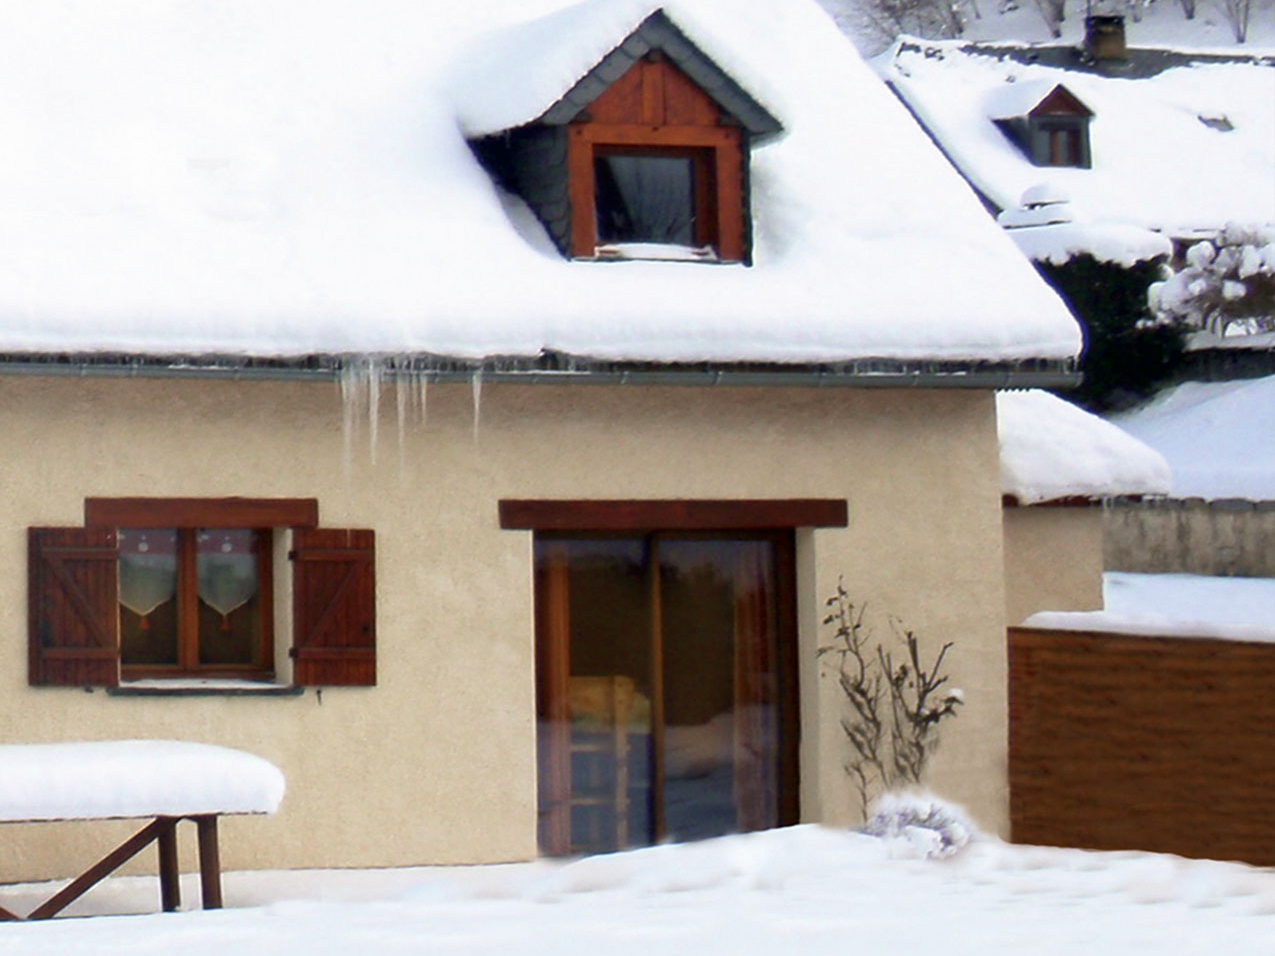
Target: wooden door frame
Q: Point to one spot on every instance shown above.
(549, 664)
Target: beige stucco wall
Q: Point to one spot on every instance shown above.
(1053, 560)
(436, 764)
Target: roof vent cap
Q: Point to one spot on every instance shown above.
(1043, 194)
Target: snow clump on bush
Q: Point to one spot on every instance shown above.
(920, 825)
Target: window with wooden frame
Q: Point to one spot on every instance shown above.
(666, 666)
(657, 171)
(1062, 143)
(154, 588)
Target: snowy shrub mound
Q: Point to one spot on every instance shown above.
(921, 825)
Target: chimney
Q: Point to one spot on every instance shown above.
(1104, 38)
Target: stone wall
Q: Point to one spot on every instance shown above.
(1233, 537)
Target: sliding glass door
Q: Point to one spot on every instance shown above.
(666, 688)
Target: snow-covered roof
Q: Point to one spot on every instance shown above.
(1162, 158)
(1058, 242)
(1016, 100)
(1051, 450)
(133, 778)
(1217, 436)
(290, 177)
(1175, 605)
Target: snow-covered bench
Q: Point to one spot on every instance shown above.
(165, 781)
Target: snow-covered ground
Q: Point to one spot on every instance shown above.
(806, 890)
(1188, 605)
(1216, 436)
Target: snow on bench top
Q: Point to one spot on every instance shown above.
(132, 778)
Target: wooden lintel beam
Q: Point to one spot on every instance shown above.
(201, 512)
(677, 514)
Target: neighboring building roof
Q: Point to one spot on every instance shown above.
(1051, 450)
(290, 179)
(1181, 143)
(1043, 226)
(1217, 436)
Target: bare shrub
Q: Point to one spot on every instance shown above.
(894, 706)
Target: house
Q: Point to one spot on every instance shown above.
(357, 417)
(1146, 145)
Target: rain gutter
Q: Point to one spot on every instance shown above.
(556, 369)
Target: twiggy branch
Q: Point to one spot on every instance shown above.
(894, 709)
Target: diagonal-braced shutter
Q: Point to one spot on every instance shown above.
(334, 607)
(74, 606)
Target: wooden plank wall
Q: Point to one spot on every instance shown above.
(1124, 742)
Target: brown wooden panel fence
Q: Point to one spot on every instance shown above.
(1127, 742)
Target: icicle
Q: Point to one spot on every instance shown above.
(347, 379)
(476, 384)
(402, 398)
(423, 386)
(373, 405)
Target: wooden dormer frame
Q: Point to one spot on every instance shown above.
(1051, 129)
(1060, 116)
(655, 109)
(655, 94)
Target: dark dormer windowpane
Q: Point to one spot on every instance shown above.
(1064, 147)
(645, 199)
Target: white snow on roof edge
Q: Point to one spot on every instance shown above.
(510, 76)
(1050, 450)
(1117, 243)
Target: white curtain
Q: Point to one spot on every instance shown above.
(227, 580)
(147, 581)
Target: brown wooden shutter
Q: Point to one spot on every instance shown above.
(74, 606)
(334, 607)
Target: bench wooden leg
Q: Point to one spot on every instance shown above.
(6, 916)
(103, 868)
(209, 862)
(170, 890)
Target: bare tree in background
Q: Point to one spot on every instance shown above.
(1052, 12)
(1237, 14)
(884, 20)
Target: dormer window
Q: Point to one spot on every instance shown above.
(654, 203)
(1047, 122)
(646, 157)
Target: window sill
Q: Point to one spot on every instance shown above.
(658, 251)
(203, 687)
